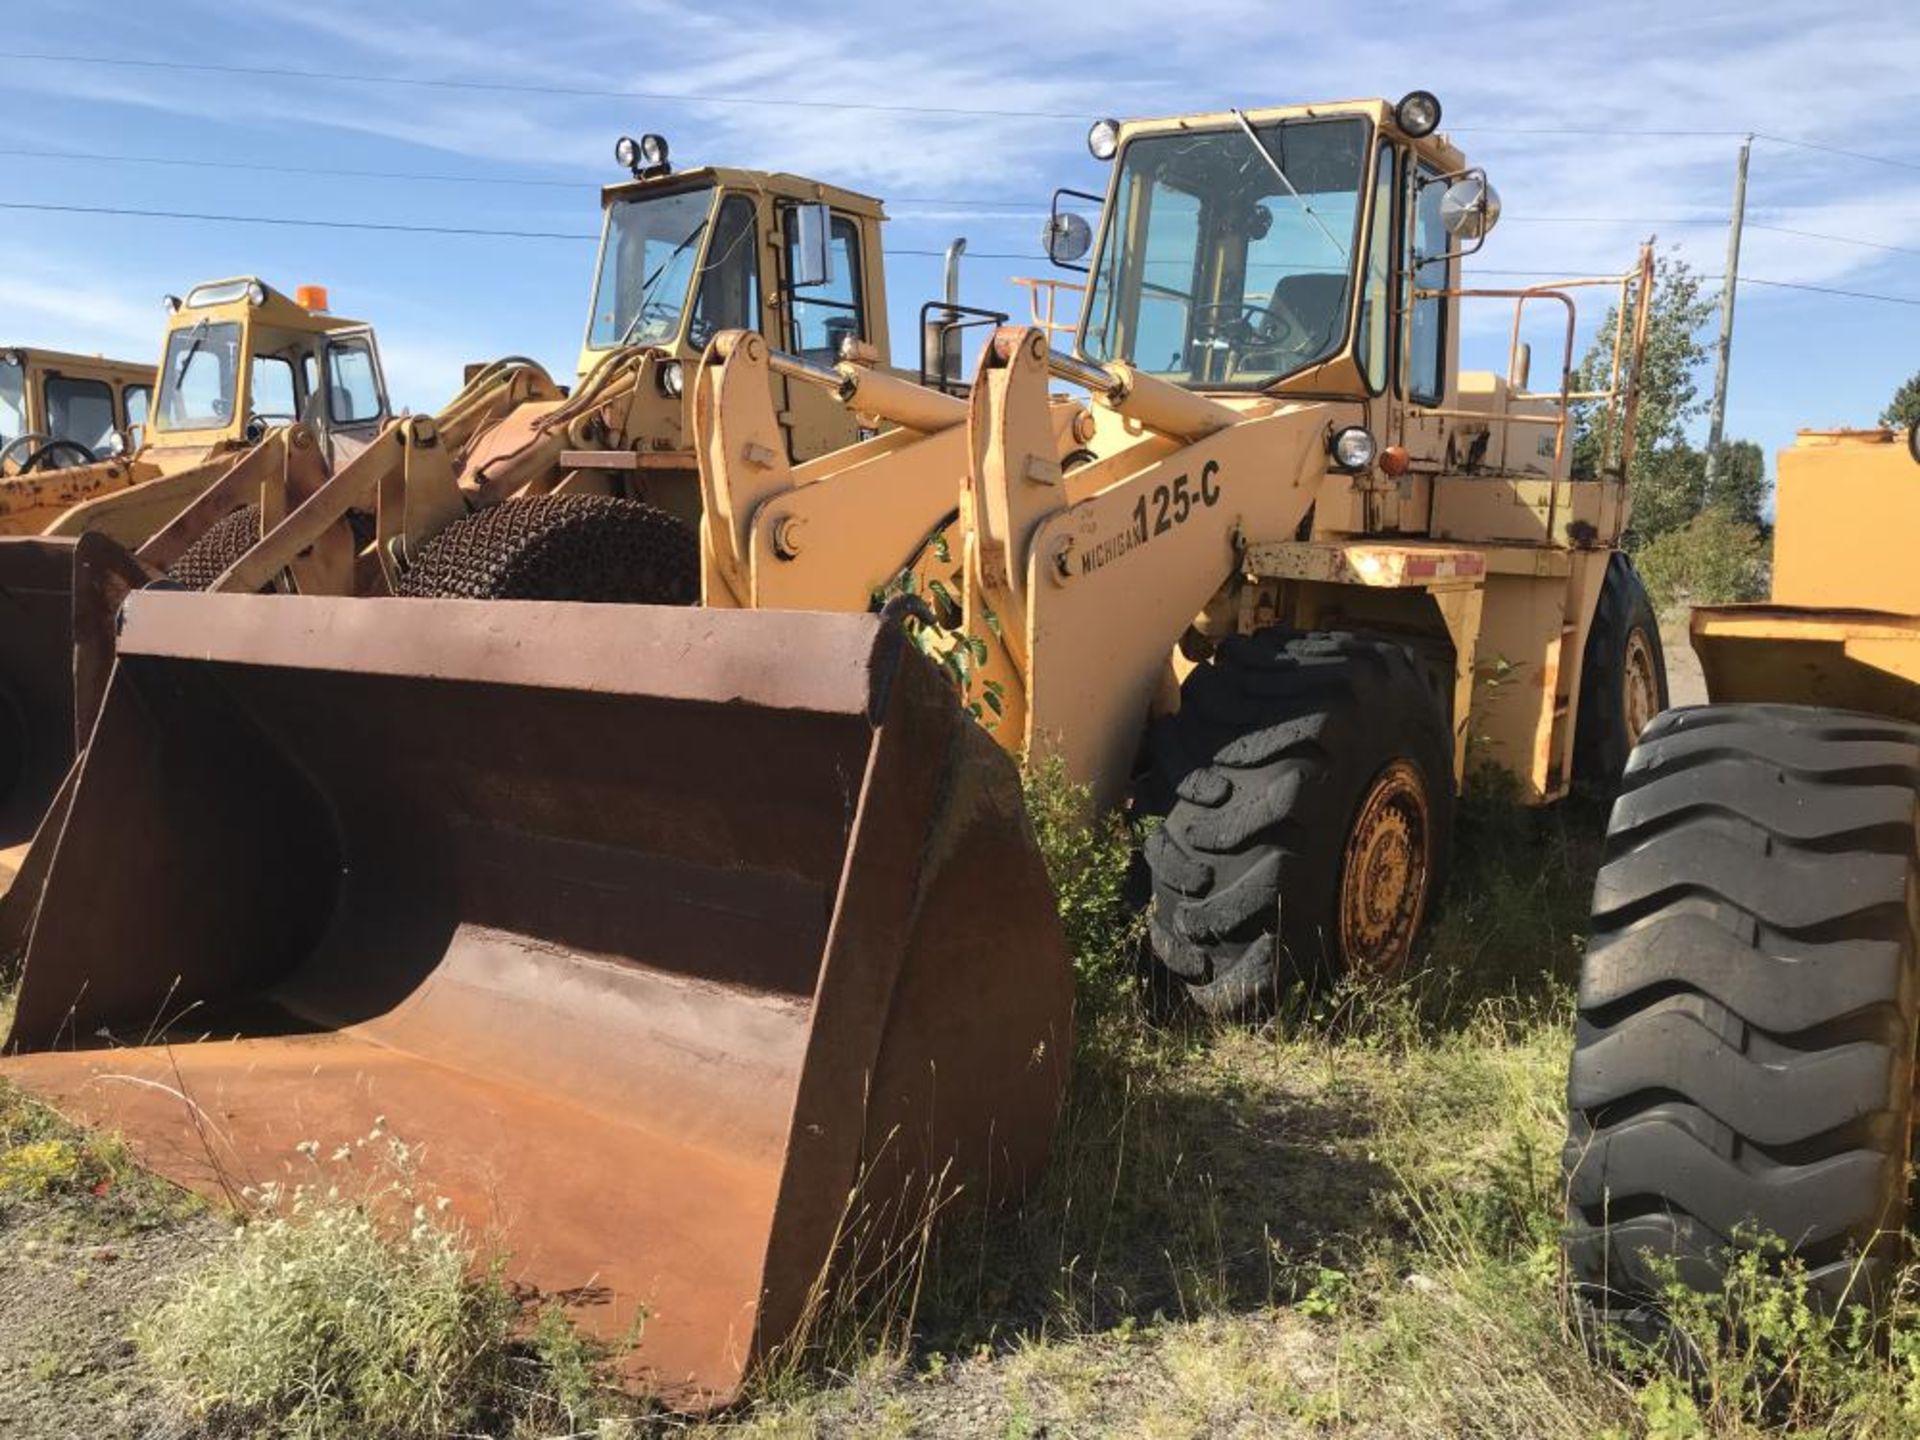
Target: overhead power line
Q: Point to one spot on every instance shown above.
(94, 157)
(1830, 290)
(310, 222)
(1836, 239)
(1896, 163)
(1477, 273)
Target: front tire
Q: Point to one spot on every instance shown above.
(1747, 1014)
(1623, 678)
(1313, 809)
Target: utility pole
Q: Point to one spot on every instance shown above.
(1717, 417)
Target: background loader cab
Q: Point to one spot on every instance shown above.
(241, 358)
(238, 359)
(684, 256)
(59, 410)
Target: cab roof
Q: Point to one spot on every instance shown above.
(770, 182)
(237, 294)
(1435, 148)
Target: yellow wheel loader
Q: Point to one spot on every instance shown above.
(238, 359)
(1743, 1069)
(259, 398)
(59, 410)
(1286, 574)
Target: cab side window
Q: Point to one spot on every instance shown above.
(1426, 358)
(353, 385)
(826, 315)
(271, 394)
(1371, 346)
(80, 410)
(728, 297)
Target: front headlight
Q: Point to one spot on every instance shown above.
(1418, 114)
(626, 152)
(1353, 449)
(653, 151)
(673, 379)
(1104, 139)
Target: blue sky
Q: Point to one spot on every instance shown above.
(1839, 76)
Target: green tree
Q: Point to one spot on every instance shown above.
(1668, 383)
(1740, 485)
(1713, 559)
(1904, 409)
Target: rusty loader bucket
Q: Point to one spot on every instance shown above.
(680, 943)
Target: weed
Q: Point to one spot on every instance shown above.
(315, 1321)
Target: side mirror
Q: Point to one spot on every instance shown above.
(1068, 236)
(812, 245)
(1470, 208)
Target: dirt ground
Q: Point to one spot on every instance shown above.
(73, 1273)
(1685, 684)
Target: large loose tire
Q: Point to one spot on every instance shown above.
(1312, 810)
(562, 547)
(1623, 679)
(217, 551)
(1745, 1045)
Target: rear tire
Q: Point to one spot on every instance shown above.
(1747, 1014)
(1623, 678)
(1313, 808)
(562, 547)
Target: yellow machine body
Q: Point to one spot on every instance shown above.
(1842, 628)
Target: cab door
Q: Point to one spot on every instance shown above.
(813, 320)
(352, 406)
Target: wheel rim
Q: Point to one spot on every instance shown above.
(1383, 882)
(1640, 690)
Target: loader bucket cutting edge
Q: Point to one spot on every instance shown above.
(660, 932)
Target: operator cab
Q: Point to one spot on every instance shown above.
(58, 410)
(242, 359)
(685, 255)
(1274, 250)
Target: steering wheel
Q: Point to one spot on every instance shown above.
(25, 444)
(1246, 327)
(48, 456)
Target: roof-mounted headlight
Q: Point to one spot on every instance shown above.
(1418, 114)
(1104, 139)
(653, 151)
(626, 153)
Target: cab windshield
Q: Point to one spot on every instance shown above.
(13, 399)
(1229, 264)
(199, 377)
(647, 260)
